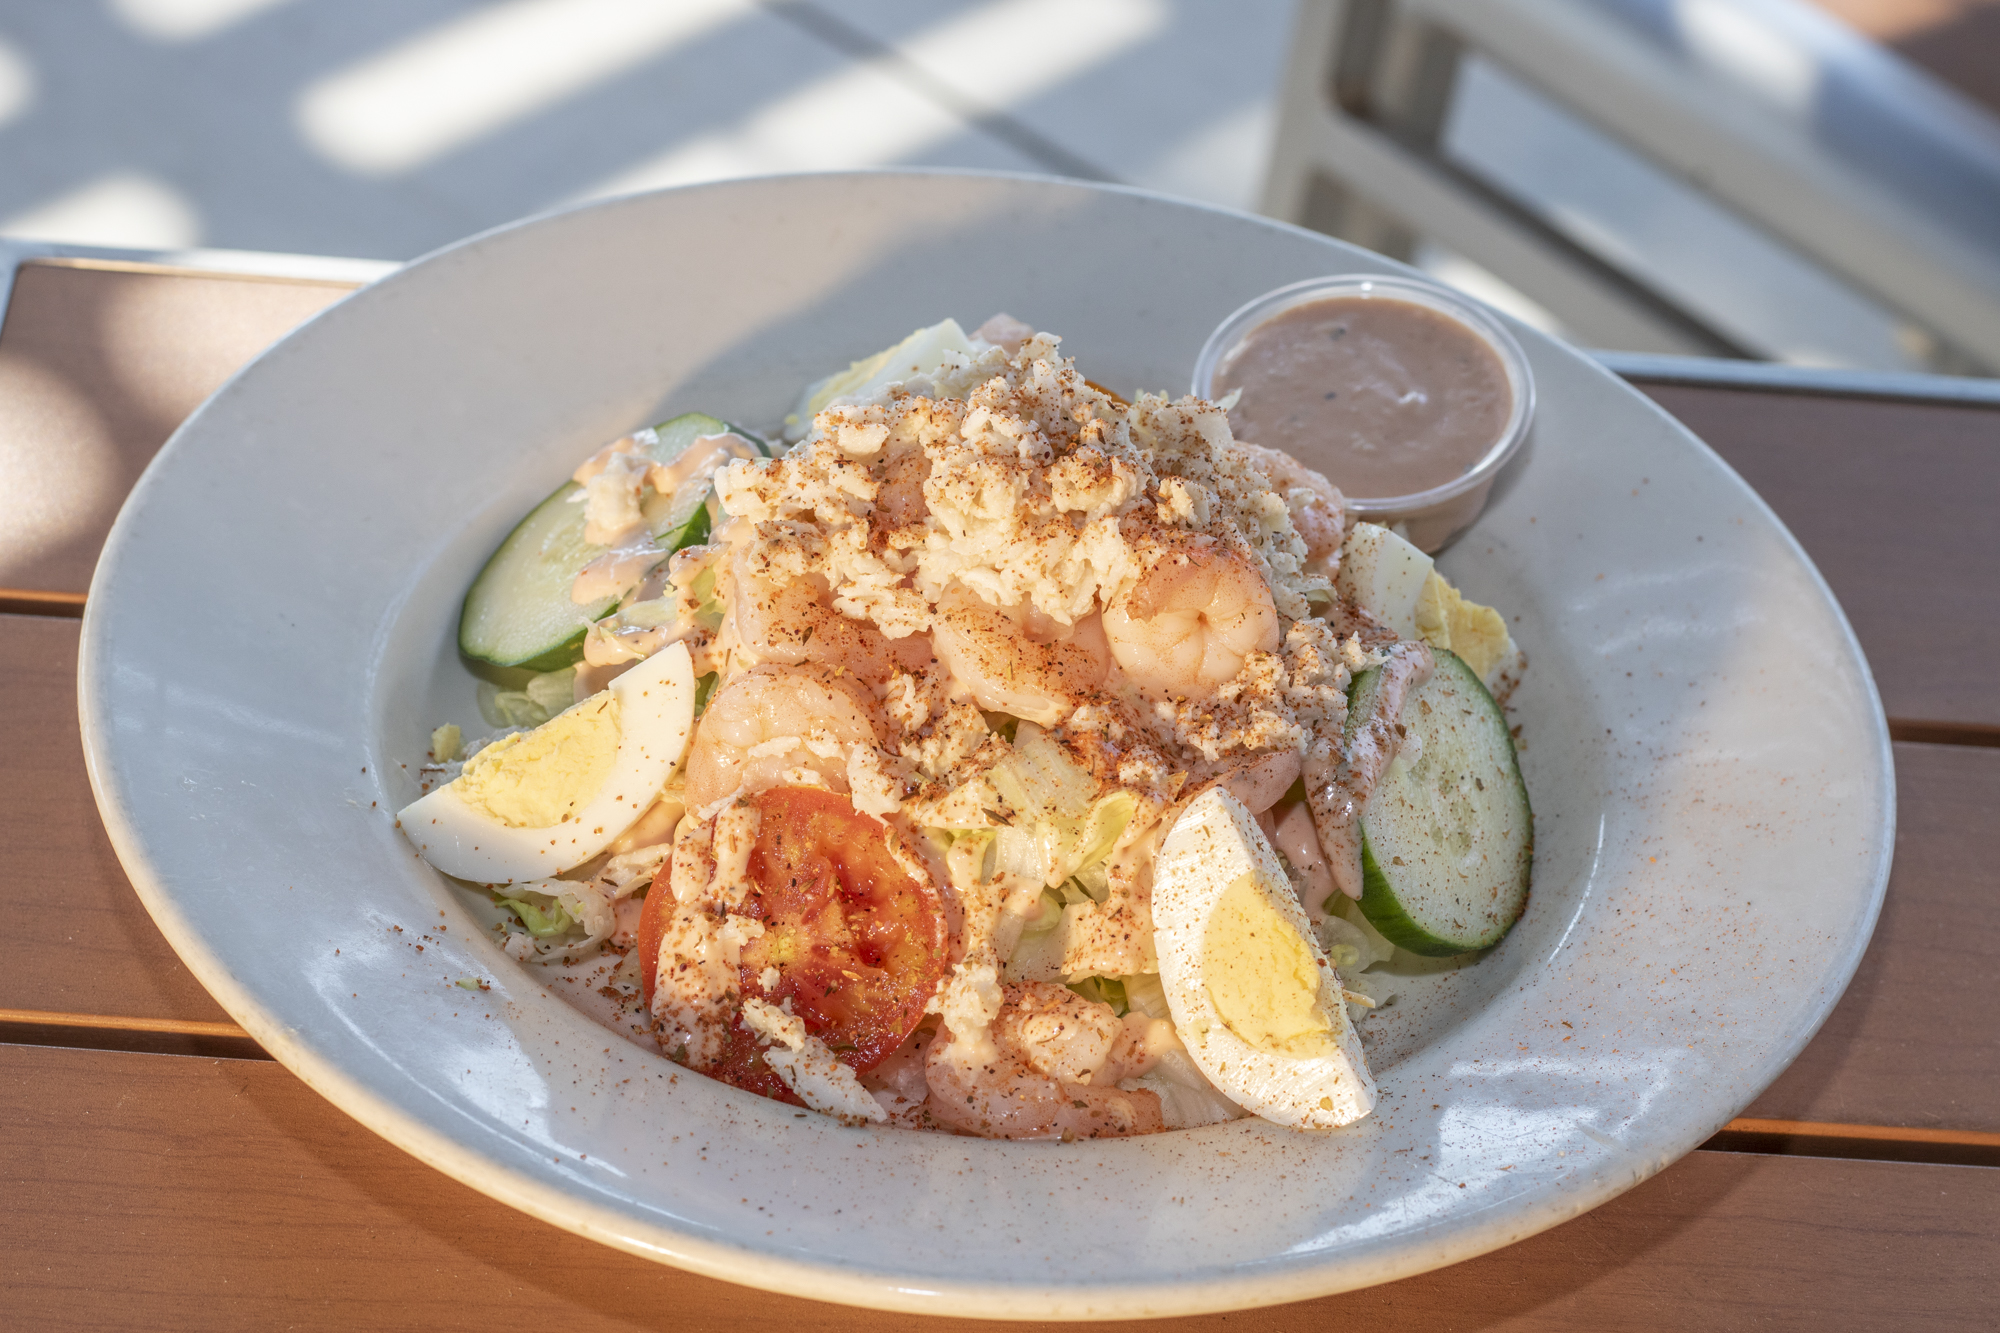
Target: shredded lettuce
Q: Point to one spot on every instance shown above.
(1109, 819)
(1148, 996)
(1103, 990)
(533, 704)
(543, 917)
(1090, 884)
(1349, 932)
(1048, 782)
(553, 690)
(1038, 955)
(708, 608)
(1187, 1098)
(1061, 825)
(1048, 914)
(651, 614)
(1017, 851)
(567, 918)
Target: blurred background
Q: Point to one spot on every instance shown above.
(1775, 179)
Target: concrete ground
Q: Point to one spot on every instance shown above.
(385, 128)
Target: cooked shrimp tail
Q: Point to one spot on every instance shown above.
(1191, 620)
(1012, 668)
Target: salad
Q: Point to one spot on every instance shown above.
(999, 756)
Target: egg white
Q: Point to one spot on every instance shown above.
(655, 720)
(1214, 843)
(1383, 575)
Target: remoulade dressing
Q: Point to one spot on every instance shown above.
(1390, 397)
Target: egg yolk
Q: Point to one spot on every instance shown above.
(1261, 975)
(539, 778)
(1446, 620)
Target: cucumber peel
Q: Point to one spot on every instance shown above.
(518, 611)
(1447, 837)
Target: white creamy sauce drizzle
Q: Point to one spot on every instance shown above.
(696, 992)
(1338, 785)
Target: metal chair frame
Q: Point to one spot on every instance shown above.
(1359, 154)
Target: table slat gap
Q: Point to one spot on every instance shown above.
(1943, 1148)
(183, 1026)
(36, 602)
(1974, 1138)
(1923, 732)
(23, 1035)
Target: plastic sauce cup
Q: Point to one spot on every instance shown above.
(1430, 518)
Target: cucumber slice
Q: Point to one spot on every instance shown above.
(1447, 840)
(518, 612)
(764, 446)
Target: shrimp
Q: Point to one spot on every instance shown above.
(1004, 332)
(1047, 1067)
(795, 622)
(770, 723)
(1191, 620)
(1013, 665)
(1318, 509)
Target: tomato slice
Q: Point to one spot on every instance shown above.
(857, 943)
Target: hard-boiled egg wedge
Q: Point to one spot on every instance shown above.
(1255, 1000)
(539, 802)
(1383, 575)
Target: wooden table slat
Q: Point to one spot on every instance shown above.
(97, 951)
(1916, 1038)
(226, 1194)
(98, 365)
(1894, 502)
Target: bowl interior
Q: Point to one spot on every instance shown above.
(269, 643)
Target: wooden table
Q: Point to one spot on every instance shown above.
(158, 1171)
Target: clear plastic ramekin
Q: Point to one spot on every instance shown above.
(1429, 518)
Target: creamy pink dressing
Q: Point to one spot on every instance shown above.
(617, 571)
(1386, 397)
(633, 554)
(1296, 838)
(597, 462)
(702, 458)
(1338, 786)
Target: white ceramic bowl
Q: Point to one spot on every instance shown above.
(269, 641)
